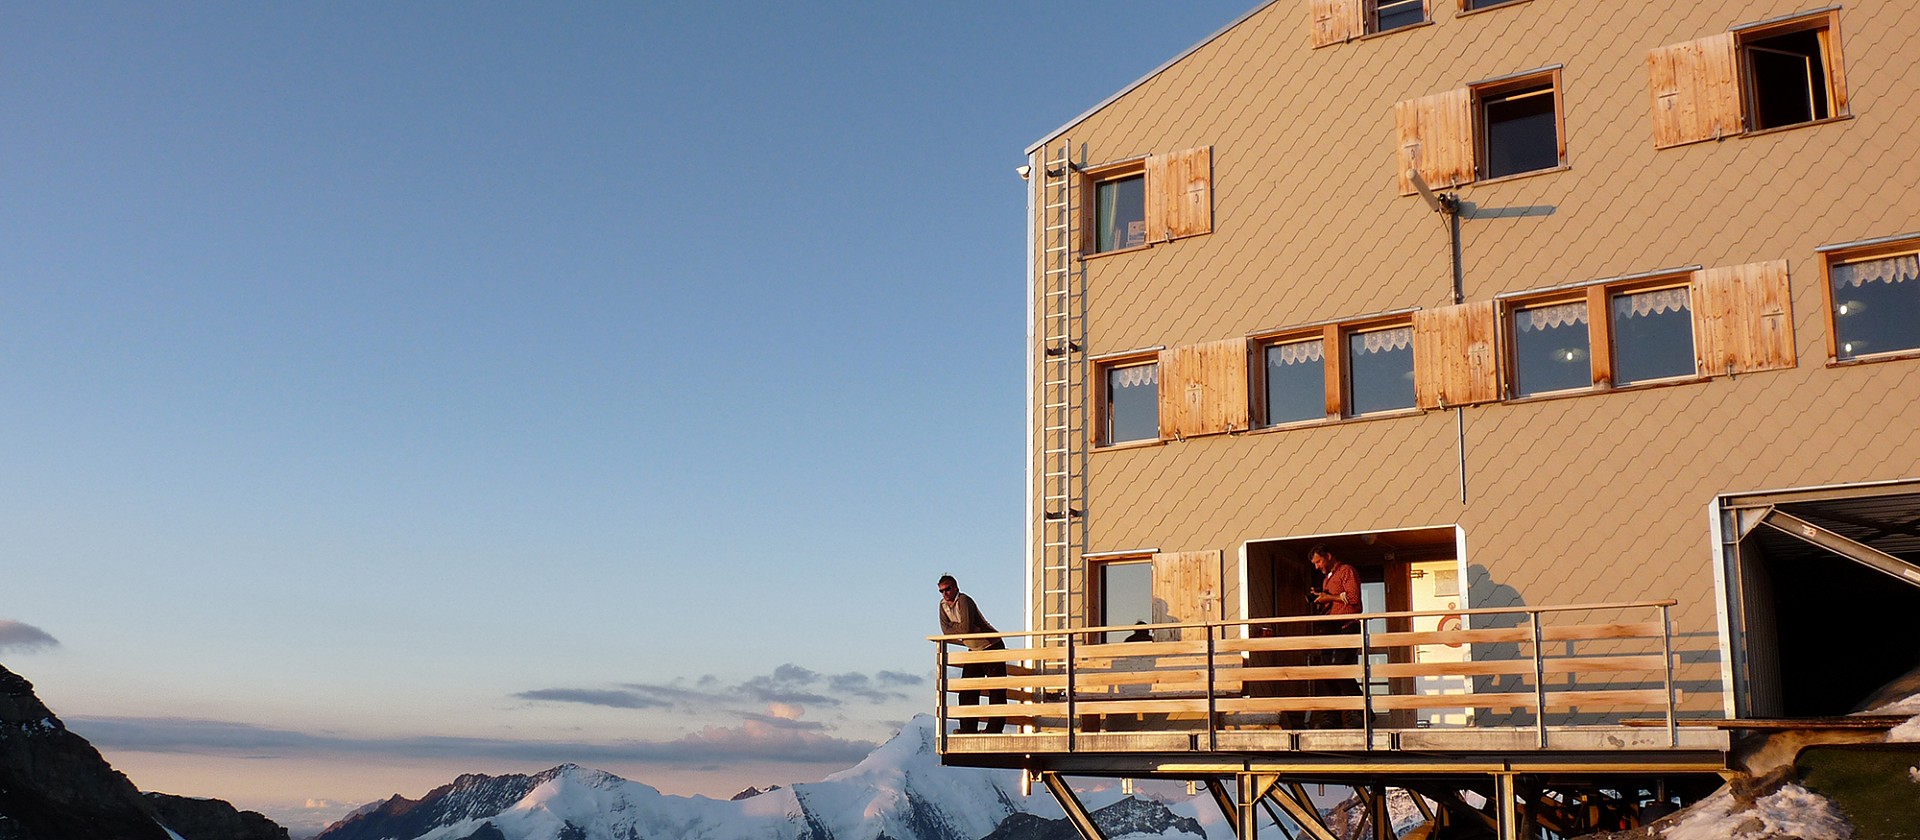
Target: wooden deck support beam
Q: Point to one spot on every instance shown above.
(1070, 803)
(1292, 798)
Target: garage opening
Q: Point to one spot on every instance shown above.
(1821, 587)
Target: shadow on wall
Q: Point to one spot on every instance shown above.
(1483, 592)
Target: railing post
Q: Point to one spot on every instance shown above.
(1213, 739)
(940, 692)
(1666, 659)
(1072, 692)
(1539, 679)
(1366, 683)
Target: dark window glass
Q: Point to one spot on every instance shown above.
(1789, 79)
(1550, 349)
(1652, 335)
(1126, 596)
(1393, 14)
(1483, 4)
(1521, 134)
(1380, 370)
(1120, 214)
(1296, 382)
(1876, 306)
(1133, 403)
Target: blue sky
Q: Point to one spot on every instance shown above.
(399, 390)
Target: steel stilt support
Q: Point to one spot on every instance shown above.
(1076, 812)
(1506, 807)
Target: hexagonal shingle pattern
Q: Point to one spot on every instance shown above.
(1592, 498)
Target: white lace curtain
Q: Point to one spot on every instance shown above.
(1135, 376)
(1897, 269)
(1299, 352)
(1381, 341)
(1642, 304)
(1547, 317)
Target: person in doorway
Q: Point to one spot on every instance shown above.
(1337, 595)
(958, 616)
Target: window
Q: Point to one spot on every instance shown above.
(1761, 76)
(1339, 21)
(1120, 214)
(1122, 595)
(1294, 381)
(1492, 129)
(1477, 5)
(1651, 334)
(1520, 127)
(1384, 15)
(1550, 348)
(1129, 401)
(1379, 370)
(1146, 201)
(1874, 301)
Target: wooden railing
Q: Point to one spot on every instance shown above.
(1481, 668)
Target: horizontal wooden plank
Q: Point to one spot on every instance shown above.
(1279, 673)
(1255, 705)
(1280, 643)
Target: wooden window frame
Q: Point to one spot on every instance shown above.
(1596, 340)
(1466, 7)
(1340, 389)
(1090, 181)
(1829, 257)
(1097, 430)
(1600, 298)
(1826, 22)
(1370, 10)
(1257, 389)
(1480, 92)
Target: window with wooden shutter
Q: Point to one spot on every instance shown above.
(1337, 21)
(1436, 139)
(1180, 194)
(1203, 389)
(1743, 318)
(1756, 77)
(1186, 589)
(1695, 90)
(1456, 355)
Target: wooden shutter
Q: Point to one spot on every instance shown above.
(1186, 588)
(1455, 353)
(1180, 194)
(1203, 389)
(1337, 21)
(1436, 139)
(1695, 90)
(1743, 318)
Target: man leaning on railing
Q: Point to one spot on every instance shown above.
(959, 615)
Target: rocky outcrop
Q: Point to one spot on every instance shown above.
(54, 785)
(212, 819)
(1129, 816)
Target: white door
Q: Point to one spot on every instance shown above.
(1436, 587)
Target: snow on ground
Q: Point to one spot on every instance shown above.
(1790, 812)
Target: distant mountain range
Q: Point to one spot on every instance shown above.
(899, 792)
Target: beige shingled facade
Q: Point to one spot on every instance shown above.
(1599, 496)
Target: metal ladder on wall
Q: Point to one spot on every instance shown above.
(1063, 391)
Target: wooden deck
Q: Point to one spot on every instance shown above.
(1542, 687)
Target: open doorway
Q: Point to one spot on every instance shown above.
(1820, 588)
(1399, 570)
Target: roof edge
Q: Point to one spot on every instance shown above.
(1111, 98)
